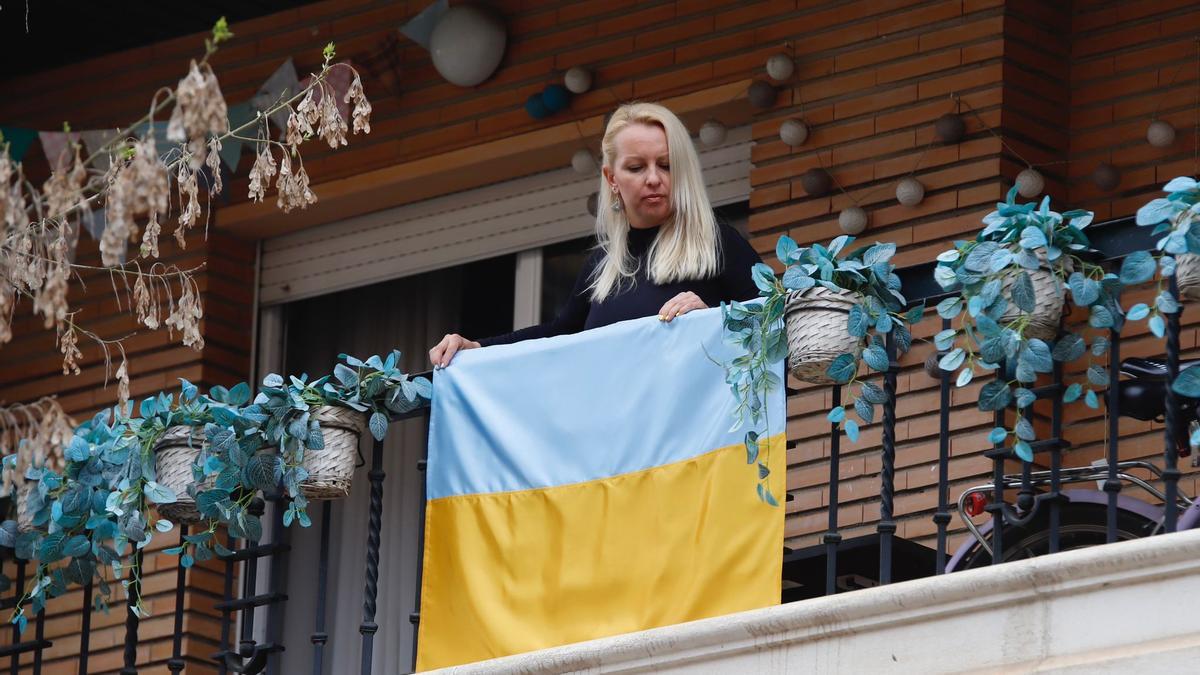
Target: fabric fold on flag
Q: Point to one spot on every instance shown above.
(591, 485)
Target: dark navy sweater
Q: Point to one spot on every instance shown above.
(643, 297)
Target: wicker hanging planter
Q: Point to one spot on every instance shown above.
(816, 331)
(174, 455)
(1187, 276)
(1047, 312)
(24, 515)
(331, 469)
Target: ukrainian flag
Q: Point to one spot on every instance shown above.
(590, 485)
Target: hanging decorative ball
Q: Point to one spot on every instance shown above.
(1106, 177)
(578, 80)
(712, 133)
(536, 107)
(593, 203)
(816, 182)
(949, 128)
(467, 44)
(762, 94)
(1160, 134)
(780, 67)
(583, 162)
(556, 98)
(910, 191)
(1030, 183)
(932, 368)
(852, 220)
(793, 132)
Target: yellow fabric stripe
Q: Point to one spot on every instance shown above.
(512, 572)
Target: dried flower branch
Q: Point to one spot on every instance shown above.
(40, 226)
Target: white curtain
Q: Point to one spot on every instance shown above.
(408, 314)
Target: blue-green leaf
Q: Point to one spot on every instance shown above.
(1138, 267)
(347, 376)
(952, 360)
(78, 450)
(1157, 325)
(1032, 237)
(842, 368)
(1023, 451)
(751, 443)
(875, 357)
(796, 279)
(872, 392)
(836, 415)
(1072, 393)
(1098, 376)
(1024, 430)
(1068, 348)
(1024, 397)
(950, 307)
(1023, 294)
(1188, 383)
(858, 322)
(159, 494)
(994, 395)
(1156, 211)
(1091, 400)
(379, 425)
(1085, 291)
(1138, 312)
(964, 377)
(852, 430)
(945, 339)
(998, 435)
(866, 411)
(1166, 303)
(1100, 317)
(784, 249)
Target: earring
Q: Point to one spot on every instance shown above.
(616, 200)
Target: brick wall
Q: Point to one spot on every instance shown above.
(1066, 85)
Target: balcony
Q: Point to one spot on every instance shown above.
(911, 596)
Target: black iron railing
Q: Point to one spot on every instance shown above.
(1036, 492)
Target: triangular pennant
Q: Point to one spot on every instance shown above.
(94, 140)
(18, 141)
(282, 85)
(95, 222)
(419, 29)
(231, 148)
(58, 152)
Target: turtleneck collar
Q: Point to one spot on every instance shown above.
(641, 238)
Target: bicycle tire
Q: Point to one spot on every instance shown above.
(1080, 525)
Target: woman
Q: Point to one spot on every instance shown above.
(660, 249)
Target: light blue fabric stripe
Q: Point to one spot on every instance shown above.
(574, 408)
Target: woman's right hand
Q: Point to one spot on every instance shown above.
(445, 350)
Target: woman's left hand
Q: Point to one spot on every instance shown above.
(680, 305)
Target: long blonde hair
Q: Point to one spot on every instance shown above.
(687, 244)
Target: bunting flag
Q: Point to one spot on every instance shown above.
(231, 148)
(282, 85)
(94, 140)
(419, 29)
(58, 151)
(18, 140)
(590, 485)
(159, 129)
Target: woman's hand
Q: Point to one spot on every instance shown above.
(445, 350)
(680, 305)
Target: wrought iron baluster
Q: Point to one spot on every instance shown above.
(1170, 457)
(85, 632)
(887, 526)
(1056, 430)
(319, 636)
(1112, 486)
(175, 663)
(226, 612)
(131, 619)
(833, 537)
(942, 517)
(998, 454)
(18, 590)
(40, 636)
(415, 617)
(368, 627)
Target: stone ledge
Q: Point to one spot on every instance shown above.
(1104, 608)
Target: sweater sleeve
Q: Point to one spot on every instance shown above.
(739, 257)
(571, 319)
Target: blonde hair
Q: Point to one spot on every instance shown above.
(687, 244)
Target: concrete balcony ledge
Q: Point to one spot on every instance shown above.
(1123, 607)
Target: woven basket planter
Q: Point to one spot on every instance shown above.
(1187, 276)
(174, 455)
(816, 331)
(331, 469)
(24, 517)
(1048, 309)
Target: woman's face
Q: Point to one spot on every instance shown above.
(641, 174)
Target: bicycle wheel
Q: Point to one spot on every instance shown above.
(1080, 525)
